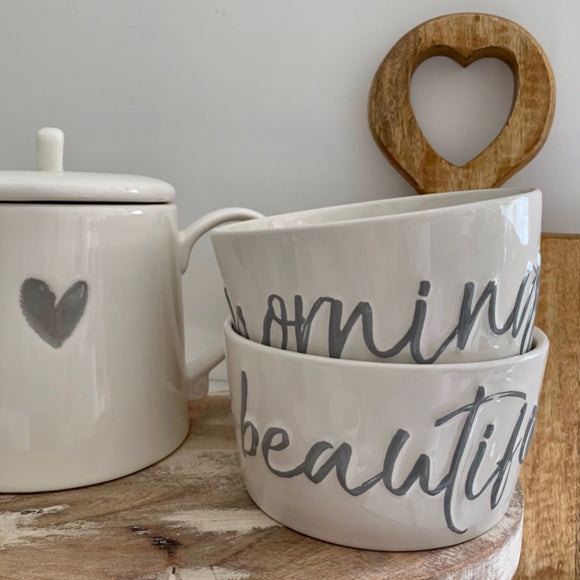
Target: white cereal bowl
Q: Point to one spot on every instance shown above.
(444, 278)
(382, 456)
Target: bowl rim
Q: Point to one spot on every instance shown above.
(266, 225)
(539, 349)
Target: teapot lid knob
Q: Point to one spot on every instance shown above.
(49, 149)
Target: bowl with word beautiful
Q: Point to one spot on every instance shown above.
(382, 456)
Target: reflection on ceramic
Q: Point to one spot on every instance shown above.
(92, 366)
(429, 279)
(382, 456)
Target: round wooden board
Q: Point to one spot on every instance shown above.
(189, 517)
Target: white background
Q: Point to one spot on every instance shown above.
(262, 103)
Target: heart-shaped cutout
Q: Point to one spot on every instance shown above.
(54, 323)
(461, 110)
(465, 38)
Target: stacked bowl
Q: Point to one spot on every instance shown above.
(383, 363)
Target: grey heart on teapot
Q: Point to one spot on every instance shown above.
(54, 323)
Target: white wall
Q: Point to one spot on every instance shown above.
(262, 103)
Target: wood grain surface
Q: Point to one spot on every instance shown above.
(551, 472)
(465, 38)
(189, 518)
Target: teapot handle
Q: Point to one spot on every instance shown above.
(197, 370)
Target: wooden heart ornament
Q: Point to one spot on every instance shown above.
(465, 38)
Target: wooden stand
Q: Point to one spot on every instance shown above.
(189, 517)
(551, 472)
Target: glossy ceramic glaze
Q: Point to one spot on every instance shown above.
(443, 278)
(94, 384)
(382, 456)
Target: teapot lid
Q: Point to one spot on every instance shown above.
(51, 183)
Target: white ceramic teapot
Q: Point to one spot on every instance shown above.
(93, 379)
